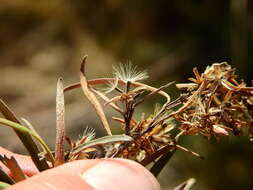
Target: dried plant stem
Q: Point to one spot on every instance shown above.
(186, 105)
(152, 93)
(179, 135)
(191, 152)
(128, 116)
(232, 87)
(121, 82)
(106, 99)
(60, 124)
(191, 98)
(153, 122)
(186, 185)
(148, 129)
(157, 154)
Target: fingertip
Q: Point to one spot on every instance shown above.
(99, 174)
(121, 174)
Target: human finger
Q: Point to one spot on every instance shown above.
(97, 174)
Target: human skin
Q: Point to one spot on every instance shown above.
(96, 174)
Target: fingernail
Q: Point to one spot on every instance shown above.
(120, 174)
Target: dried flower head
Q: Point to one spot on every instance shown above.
(216, 104)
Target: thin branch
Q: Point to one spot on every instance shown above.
(121, 82)
(191, 152)
(157, 154)
(106, 99)
(152, 93)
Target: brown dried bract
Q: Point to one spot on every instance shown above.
(221, 105)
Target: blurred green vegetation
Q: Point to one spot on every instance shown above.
(42, 40)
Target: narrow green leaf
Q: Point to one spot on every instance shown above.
(4, 185)
(25, 138)
(102, 141)
(24, 130)
(60, 124)
(29, 125)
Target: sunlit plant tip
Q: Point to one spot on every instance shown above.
(128, 72)
(89, 133)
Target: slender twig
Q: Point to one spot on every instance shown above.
(121, 82)
(191, 152)
(186, 105)
(106, 99)
(152, 93)
(157, 154)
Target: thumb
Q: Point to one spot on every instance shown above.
(102, 174)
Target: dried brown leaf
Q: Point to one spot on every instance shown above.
(14, 168)
(220, 130)
(92, 98)
(197, 75)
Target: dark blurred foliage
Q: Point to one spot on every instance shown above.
(42, 40)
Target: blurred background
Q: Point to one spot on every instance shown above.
(43, 40)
